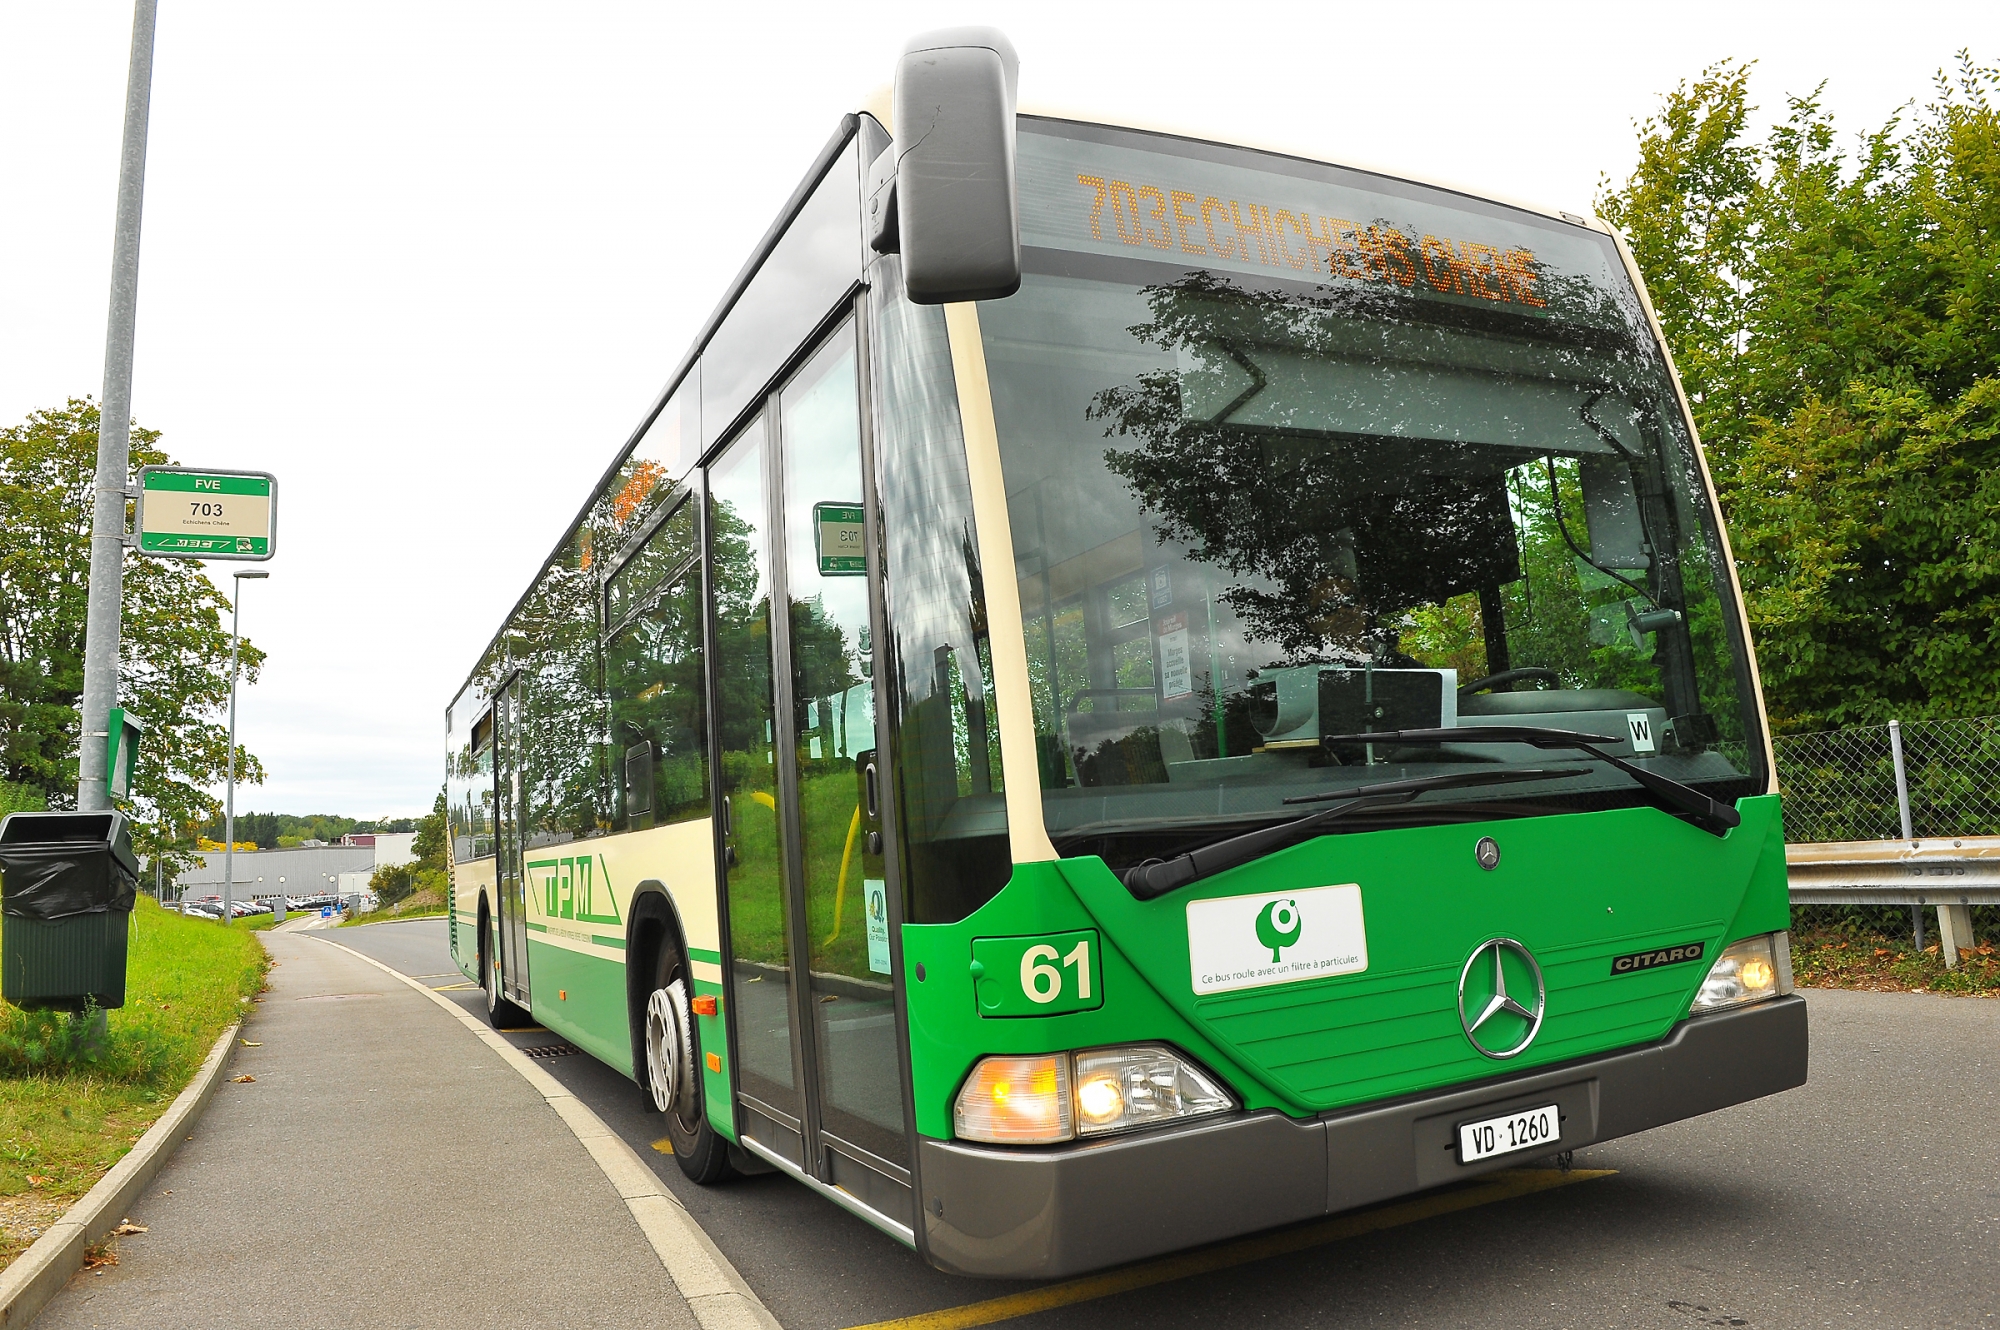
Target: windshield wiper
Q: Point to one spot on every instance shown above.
(1157, 877)
(1712, 817)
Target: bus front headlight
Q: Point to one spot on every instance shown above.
(1748, 971)
(1060, 1096)
(1122, 1089)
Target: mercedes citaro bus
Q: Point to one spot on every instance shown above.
(1131, 689)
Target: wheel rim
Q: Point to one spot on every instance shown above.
(669, 1049)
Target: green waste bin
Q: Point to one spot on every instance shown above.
(67, 883)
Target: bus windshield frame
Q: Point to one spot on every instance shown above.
(1274, 475)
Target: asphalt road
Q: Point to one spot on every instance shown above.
(1869, 1197)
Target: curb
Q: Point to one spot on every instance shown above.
(40, 1272)
(713, 1290)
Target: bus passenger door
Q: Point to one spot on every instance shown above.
(510, 804)
(819, 1068)
(832, 789)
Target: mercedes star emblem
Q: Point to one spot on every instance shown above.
(1484, 1003)
(1487, 852)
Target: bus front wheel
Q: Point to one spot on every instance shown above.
(672, 1074)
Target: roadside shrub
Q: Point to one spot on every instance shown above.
(185, 980)
(34, 1042)
(393, 882)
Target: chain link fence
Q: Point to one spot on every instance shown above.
(1841, 784)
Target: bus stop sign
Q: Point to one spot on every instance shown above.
(186, 513)
(837, 532)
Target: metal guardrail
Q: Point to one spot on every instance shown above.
(1950, 874)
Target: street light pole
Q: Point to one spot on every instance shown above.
(229, 807)
(114, 432)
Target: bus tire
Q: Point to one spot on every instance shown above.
(671, 1074)
(500, 1012)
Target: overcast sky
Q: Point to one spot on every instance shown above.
(429, 262)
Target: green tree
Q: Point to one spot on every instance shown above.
(174, 649)
(429, 846)
(1834, 317)
(396, 883)
(272, 831)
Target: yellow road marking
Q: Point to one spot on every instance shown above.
(449, 988)
(1499, 1187)
(665, 1145)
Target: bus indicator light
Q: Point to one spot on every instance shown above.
(703, 1005)
(1015, 1101)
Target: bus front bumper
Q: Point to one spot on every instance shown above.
(1041, 1214)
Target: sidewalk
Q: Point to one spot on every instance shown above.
(384, 1169)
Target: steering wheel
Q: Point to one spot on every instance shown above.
(1549, 677)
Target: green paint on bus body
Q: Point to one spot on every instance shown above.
(569, 888)
(1044, 974)
(713, 1032)
(593, 1015)
(1575, 889)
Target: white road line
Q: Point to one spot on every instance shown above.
(714, 1291)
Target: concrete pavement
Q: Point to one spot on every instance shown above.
(383, 1169)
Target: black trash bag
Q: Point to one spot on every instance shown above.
(58, 865)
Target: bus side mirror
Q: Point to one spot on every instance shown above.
(957, 218)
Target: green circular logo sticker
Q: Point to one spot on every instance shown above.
(1279, 926)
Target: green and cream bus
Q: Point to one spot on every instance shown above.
(1131, 689)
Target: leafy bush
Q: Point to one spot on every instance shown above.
(52, 1041)
(393, 882)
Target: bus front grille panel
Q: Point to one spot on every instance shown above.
(1333, 1043)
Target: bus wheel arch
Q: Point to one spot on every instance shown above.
(501, 1011)
(666, 1044)
(482, 946)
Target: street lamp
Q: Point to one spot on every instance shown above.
(229, 814)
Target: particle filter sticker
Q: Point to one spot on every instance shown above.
(1280, 938)
(875, 895)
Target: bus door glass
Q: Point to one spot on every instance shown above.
(856, 1070)
(754, 869)
(510, 789)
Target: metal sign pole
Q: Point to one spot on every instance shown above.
(114, 430)
(229, 813)
(229, 808)
(1903, 812)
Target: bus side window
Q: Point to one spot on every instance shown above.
(653, 676)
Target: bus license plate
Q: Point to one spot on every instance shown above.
(1530, 1129)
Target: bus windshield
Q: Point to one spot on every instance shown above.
(1293, 451)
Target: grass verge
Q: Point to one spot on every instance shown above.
(70, 1109)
